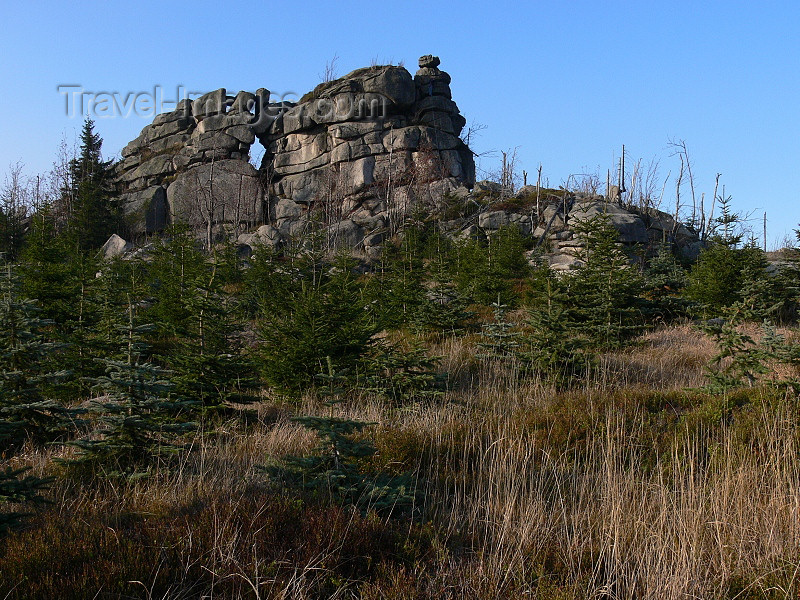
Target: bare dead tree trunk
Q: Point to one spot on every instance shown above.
(538, 191)
(504, 173)
(663, 189)
(508, 173)
(713, 205)
(691, 183)
(702, 214)
(622, 174)
(634, 193)
(210, 207)
(678, 183)
(683, 152)
(648, 191)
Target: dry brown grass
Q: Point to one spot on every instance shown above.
(626, 487)
(668, 358)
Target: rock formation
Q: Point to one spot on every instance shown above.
(191, 165)
(355, 156)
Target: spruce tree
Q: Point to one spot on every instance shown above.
(14, 209)
(208, 363)
(604, 292)
(664, 282)
(18, 490)
(137, 422)
(78, 332)
(444, 308)
(725, 275)
(499, 340)
(485, 269)
(197, 331)
(767, 295)
(396, 289)
(24, 353)
(553, 348)
(336, 470)
(402, 373)
(321, 312)
(739, 360)
(47, 270)
(175, 268)
(93, 205)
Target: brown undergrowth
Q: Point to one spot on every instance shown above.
(625, 486)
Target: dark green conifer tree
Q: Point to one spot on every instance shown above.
(208, 363)
(137, 422)
(321, 312)
(499, 338)
(336, 470)
(18, 490)
(61, 278)
(402, 373)
(93, 207)
(47, 270)
(24, 409)
(444, 307)
(176, 267)
(739, 360)
(604, 293)
(485, 269)
(553, 348)
(396, 290)
(665, 280)
(725, 275)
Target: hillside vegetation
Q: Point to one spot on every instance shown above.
(452, 419)
(449, 423)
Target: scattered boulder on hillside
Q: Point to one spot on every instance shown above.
(115, 246)
(549, 217)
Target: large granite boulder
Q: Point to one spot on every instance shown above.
(115, 246)
(146, 210)
(630, 226)
(225, 191)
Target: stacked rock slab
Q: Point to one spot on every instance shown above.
(191, 165)
(357, 153)
(364, 149)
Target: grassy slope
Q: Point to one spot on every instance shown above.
(628, 487)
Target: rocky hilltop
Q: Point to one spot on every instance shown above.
(354, 158)
(550, 216)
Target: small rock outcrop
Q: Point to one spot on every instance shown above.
(115, 246)
(550, 217)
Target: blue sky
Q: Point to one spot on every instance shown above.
(567, 83)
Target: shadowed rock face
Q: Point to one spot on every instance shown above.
(358, 153)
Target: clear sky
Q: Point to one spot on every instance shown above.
(565, 82)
